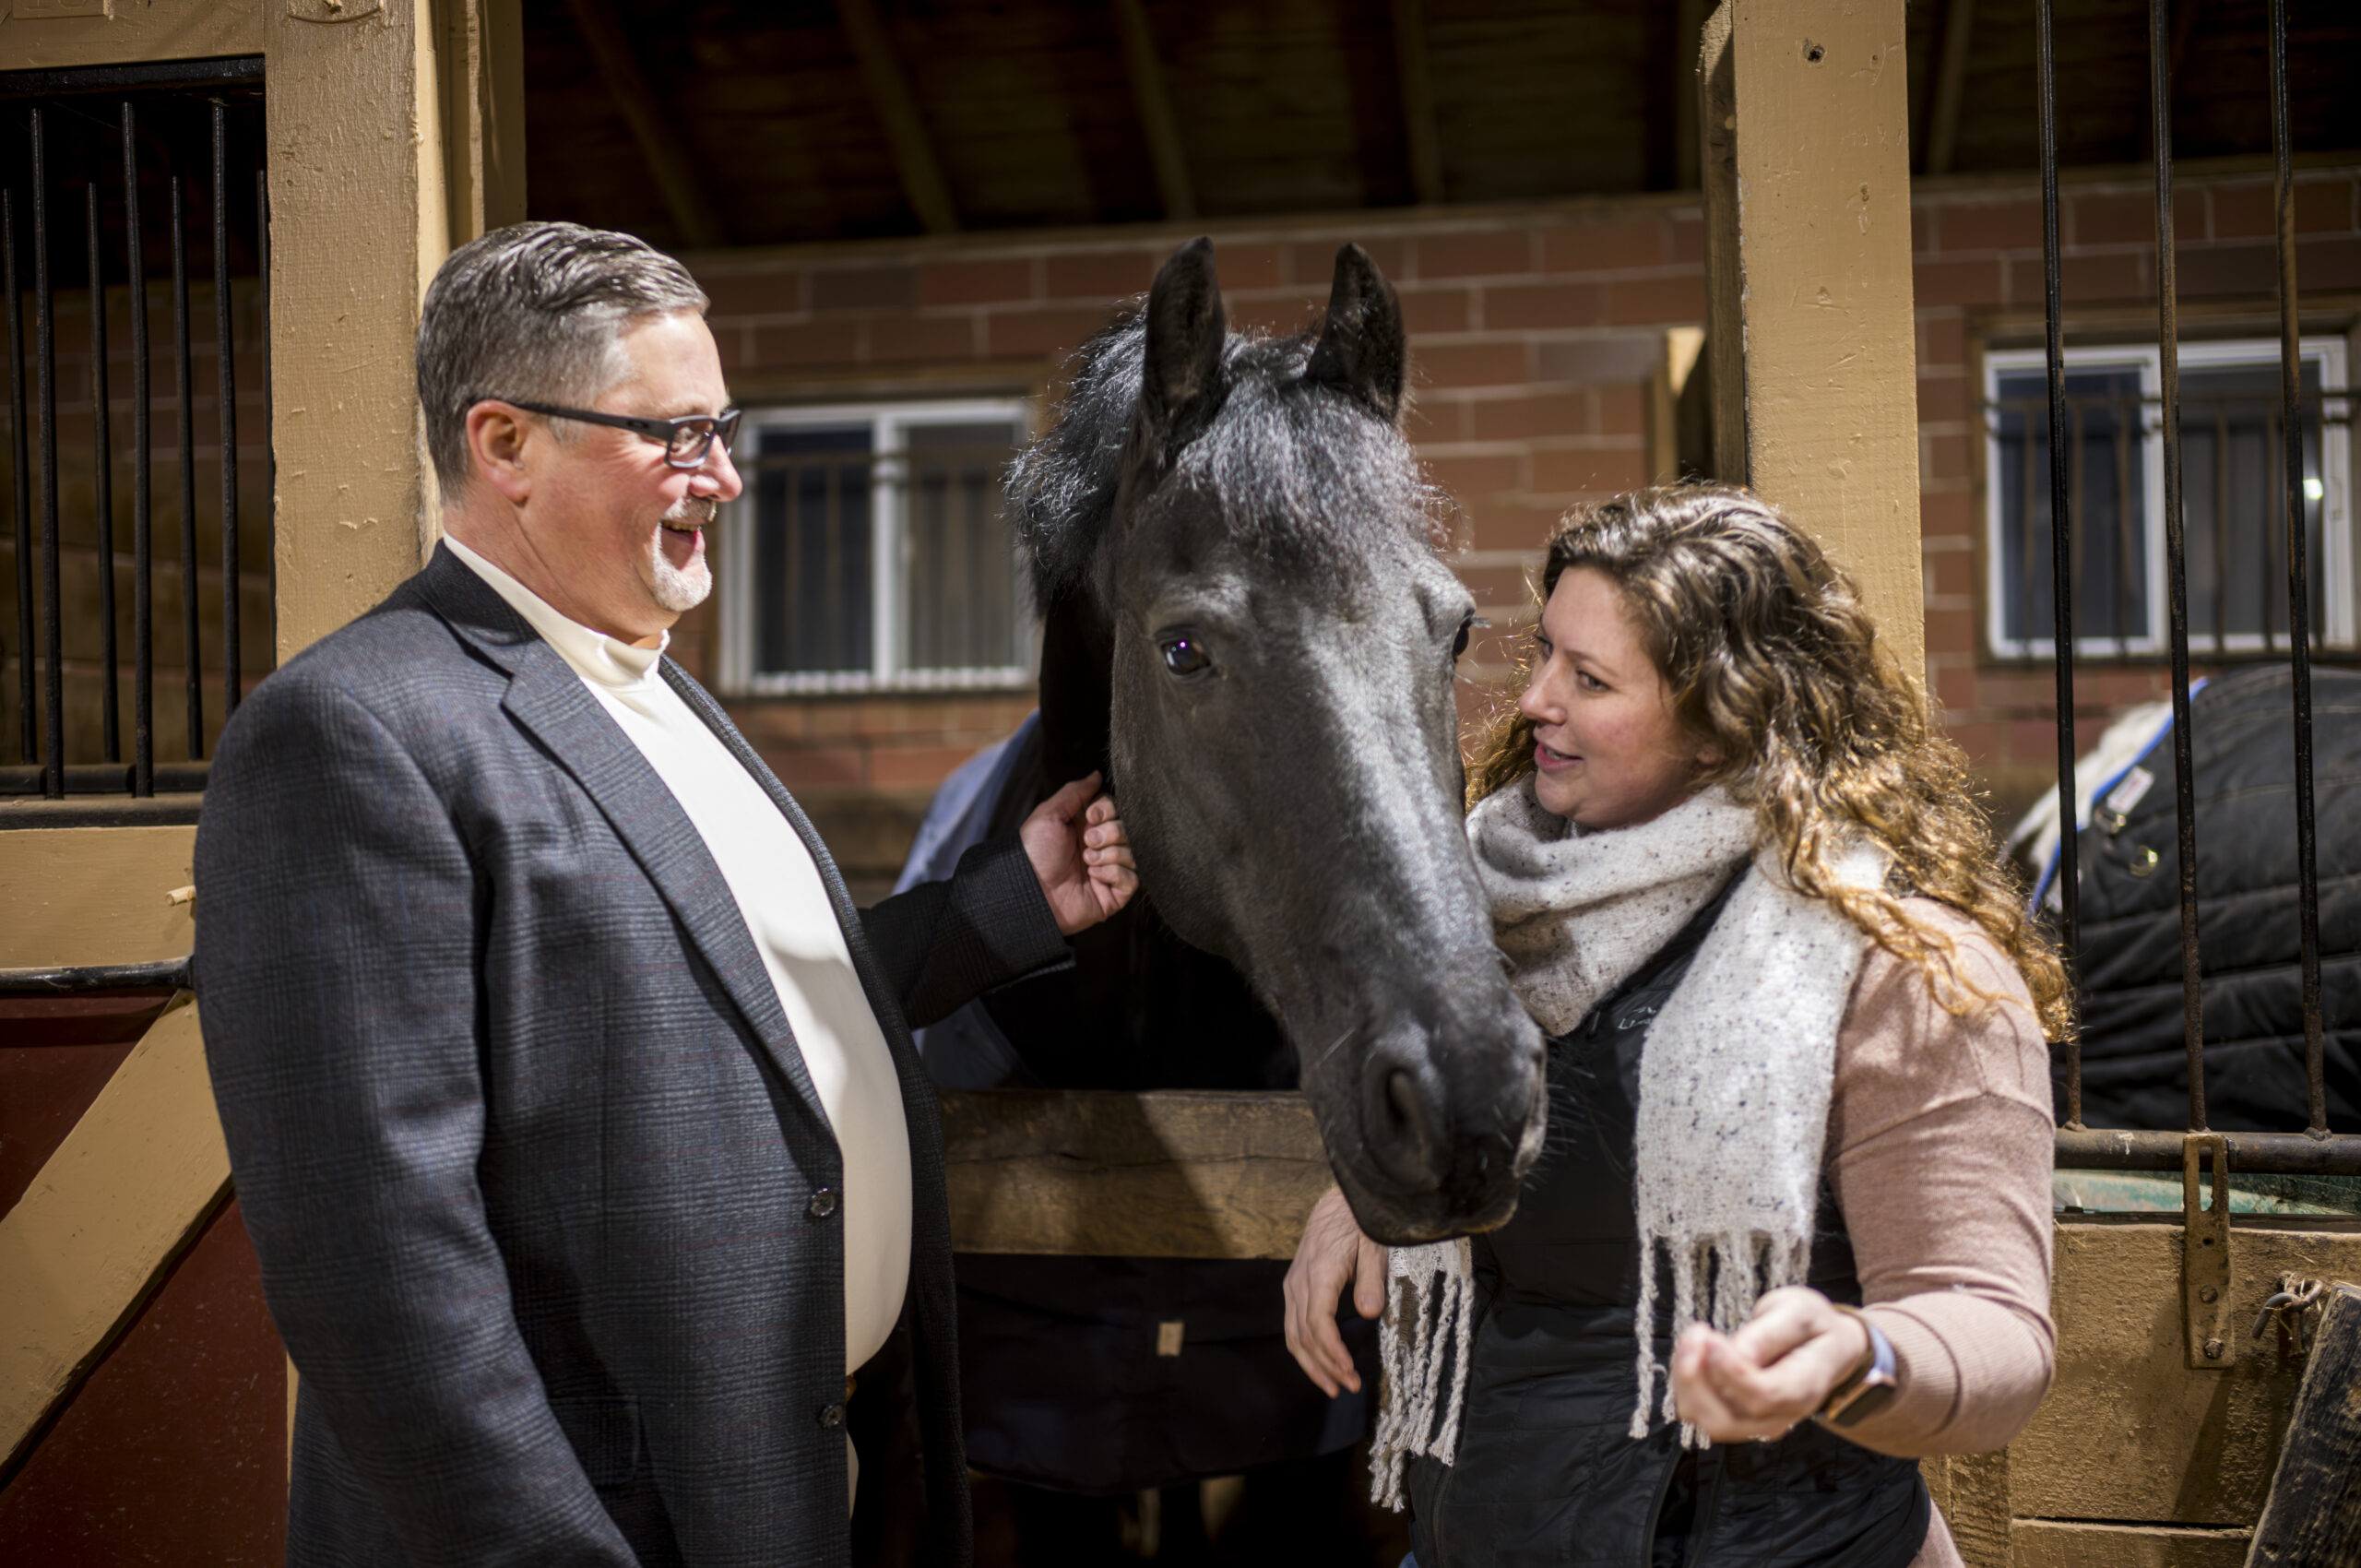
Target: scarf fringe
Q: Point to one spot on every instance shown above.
(1716, 1281)
(1429, 1306)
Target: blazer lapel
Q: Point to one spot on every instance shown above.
(549, 701)
(918, 1089)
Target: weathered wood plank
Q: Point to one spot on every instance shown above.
(2312, 1518)
(660, 142)
(1172, 1174)
(2129, 1433)
(1950, 86)
(114, 1204)
(898, 109)
(2057, 1543)
(1157, 123)
(1419, 133)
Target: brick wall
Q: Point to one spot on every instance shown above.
(1534, 335)
(1979, 272)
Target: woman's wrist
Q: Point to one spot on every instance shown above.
(1872, 1385)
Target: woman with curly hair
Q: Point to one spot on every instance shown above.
(1799, 1150)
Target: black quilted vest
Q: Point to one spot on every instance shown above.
(1547, 1476)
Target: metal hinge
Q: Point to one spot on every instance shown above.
(2205, 1252)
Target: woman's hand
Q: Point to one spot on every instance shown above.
(1082, 855)
(1772, 1374)
(1333, 1254)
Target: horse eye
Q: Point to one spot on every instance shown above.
(1183, 656)
(1459, 644)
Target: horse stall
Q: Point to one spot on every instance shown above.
(1865, 256)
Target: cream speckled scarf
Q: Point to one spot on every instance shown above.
(1734, 1080)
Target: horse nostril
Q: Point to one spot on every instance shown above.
(1403, 1129)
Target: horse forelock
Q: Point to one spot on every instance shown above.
(1297, 472)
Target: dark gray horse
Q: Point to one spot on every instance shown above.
(1247, 625)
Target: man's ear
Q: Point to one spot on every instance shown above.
(496, 440)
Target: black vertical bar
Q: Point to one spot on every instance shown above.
(192, 648)
(29, 736)
(226, 406)
(2271, 478)
(270, 450)
(2127, 419)
(2300, 597)
(2060, 541)
(2192, 993)
(143, 560)
(45, 374)
(2220, 528)
(102, 487)
(2027, 568)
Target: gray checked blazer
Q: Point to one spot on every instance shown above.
(545, 1200)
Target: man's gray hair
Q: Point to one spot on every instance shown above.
(534, 311)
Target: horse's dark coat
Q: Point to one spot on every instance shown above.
(1246, 626)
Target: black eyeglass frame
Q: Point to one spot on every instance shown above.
(721, 427)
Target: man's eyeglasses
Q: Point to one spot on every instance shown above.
(686, 441)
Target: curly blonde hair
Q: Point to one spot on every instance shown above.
(1774, 666)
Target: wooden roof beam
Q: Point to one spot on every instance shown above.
(889, 93)
(1157, 122)
(1950, 86)
(660, 142)
(1417, 100)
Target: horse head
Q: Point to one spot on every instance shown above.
(1247, 623)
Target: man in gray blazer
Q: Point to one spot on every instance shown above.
(572, 1105)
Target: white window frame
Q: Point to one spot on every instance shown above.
(2333, 571)
(890, 424)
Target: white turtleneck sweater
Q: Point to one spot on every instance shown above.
(779, 890)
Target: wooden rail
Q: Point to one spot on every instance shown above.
(1175, 1174)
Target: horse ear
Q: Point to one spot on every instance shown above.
(1181, 381)
(1360, 353)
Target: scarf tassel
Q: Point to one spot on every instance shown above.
(1429, 1308)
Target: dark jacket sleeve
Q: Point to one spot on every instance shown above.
(337, 992)
(944, 943)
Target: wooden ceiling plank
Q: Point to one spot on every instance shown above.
(1417, 100)
(1950, 86)
(1157, 122)
(660, 142)
(898, 108)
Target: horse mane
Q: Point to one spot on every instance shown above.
(1304, 476)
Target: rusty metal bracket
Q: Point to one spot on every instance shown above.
(2205, 1252)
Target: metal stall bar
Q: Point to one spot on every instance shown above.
(192, 648)
(2060, 536)
(53, 776)
(2176, 555)
(270, 452)
(143, 562)
(103, 485)
(226, 409)
(29, 724)
(2299, 595)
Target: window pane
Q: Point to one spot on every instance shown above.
(2233, 488)
(960, 606)
(811, 532)
(2106, 473)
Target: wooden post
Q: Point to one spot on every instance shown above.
(1816, 207)
(2312, 1518)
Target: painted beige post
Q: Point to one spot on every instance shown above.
(1822, 159)
(361, 217)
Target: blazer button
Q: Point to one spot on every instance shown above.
(822, 1204)
(832, 1416)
